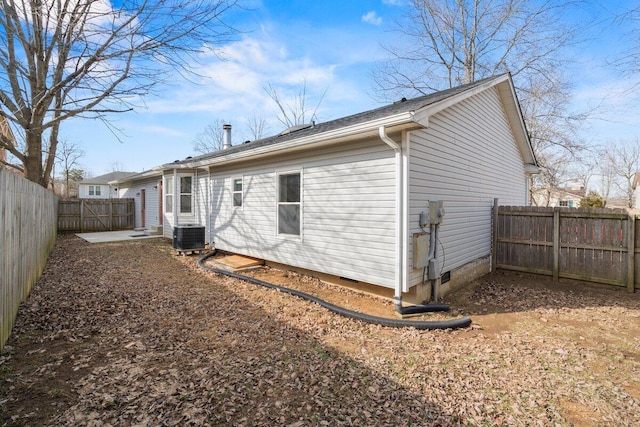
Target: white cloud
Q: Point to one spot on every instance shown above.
(235, 85)
(393, 2)
(372, 18)
(232, 88)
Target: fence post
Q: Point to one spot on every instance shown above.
(556, 244)
(631, 245)
(494, 243)
(81, 215)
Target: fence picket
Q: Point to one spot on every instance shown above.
(27, 236)
(85, 215)
(598, 245)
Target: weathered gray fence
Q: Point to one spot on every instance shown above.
(597, 245)
(84, 215)
(27, 236)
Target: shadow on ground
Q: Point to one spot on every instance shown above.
(124, 333)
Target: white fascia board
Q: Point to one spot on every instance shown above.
(368, 129)
(516, 121)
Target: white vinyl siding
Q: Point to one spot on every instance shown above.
(132, 190)
(467, 157)
(348, 199)
(201, 198)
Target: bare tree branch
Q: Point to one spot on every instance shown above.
(211, 138)
(62, 59)
(624, 158)
(67, 158)
(450, 42)
(294, 111)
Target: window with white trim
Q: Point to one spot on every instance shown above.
(168, 194)
(237, 192)
(94, 190)
(186, 194)
(289, 203)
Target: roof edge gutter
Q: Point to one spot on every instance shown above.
(355, 131)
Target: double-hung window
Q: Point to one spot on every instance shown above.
(186, 194)
(237, 192)
(94, 190)
(289, 203)
(168, 194)
(180, 196)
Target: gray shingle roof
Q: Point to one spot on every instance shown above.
(405, 105)
(105, 179)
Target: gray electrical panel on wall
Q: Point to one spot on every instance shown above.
(420, 250)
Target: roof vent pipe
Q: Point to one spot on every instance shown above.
(226, 136)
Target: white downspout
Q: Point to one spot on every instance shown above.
(397, 297)
(208, 210)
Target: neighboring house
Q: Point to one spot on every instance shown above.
(99, 188)
(146, 189)
(344, 197)
(559, 197)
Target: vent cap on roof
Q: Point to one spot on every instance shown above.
(295, 128)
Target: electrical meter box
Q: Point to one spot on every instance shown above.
(436, 211)
(420, 250)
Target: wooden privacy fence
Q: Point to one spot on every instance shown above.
(597, 245)
(84, 215)
(27, 236)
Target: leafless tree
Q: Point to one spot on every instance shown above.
(624, 157)
(116, 166)
(455, 42)
(211, 138)
(67, 158)
(63, 59)
(452, 42)
(257, 127)
(607, 176)
(629, 60)
(294, 110)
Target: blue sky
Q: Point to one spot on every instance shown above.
(332, 45)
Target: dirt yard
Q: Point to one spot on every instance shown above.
(130, 334)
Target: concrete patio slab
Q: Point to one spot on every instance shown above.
(115, 236)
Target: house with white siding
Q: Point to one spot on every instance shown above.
(146, 190)
(344, 198)
(565, 197)
(99, 187)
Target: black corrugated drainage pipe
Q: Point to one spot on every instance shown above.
(421, 308)
(394, 323)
